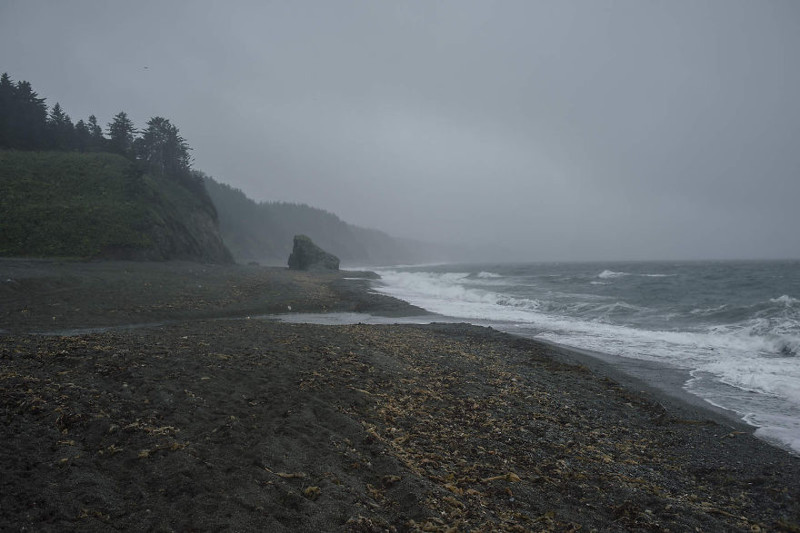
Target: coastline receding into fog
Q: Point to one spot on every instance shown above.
(258, 424)
(592, 321)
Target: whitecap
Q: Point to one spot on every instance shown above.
(609, 274)
(617, 307)
(786, 300)
(450, 294)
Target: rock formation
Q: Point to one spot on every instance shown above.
(308, 256)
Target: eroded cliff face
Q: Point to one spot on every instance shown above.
(190, 238)
(201, 239)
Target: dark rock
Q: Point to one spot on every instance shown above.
(308, 256)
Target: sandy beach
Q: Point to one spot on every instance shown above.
(205, 417)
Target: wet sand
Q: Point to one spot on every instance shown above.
(199, 424)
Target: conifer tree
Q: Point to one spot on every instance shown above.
(163, 149)
(27, 119)
(82, 138)
(96, 139)
(60, 128)
(121, 134)
(57, 115)
(6, 101)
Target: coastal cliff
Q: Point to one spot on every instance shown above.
(102, 205)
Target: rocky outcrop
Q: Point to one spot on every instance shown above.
(308, 256)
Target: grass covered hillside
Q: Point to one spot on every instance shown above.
(95, 204)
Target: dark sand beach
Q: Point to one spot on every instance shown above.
(201, 419)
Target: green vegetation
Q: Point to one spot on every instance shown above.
(89, 205)
(69, 204)
(67, 190)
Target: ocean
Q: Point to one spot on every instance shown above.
(734, 326)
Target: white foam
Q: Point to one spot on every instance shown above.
(783, 436)
(756, 358)
(777, 377)
(610, 274)
(619, 306)
(787, 300)
(487, 275)
(708, 310)
(447, 294)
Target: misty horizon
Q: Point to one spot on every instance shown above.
(544, 131)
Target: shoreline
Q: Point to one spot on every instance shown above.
(672, 381)
(664, 383)
(203, 423)
(353, 293)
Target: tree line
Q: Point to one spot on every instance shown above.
(26, 123)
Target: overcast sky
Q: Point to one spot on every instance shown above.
(564, 130)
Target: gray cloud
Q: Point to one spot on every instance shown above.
(580, 130)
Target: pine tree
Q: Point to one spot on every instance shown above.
(121, 134)
(163, 149)
(96, 139)
(6, 102)
(27, 119)
(82, 138)
(60, 128)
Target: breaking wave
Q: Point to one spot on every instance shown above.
(748, 346)
(610, 274)
(788, 301)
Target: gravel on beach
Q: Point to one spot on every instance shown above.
(194, 423)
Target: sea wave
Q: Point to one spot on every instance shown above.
(449, 294)
(610, 274)
(787, 300)
(763, 363)
(618, 308)
(709, 310)
(453, 294)
(751, 346)
(487, 275)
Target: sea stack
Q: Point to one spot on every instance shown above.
(308, 256)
